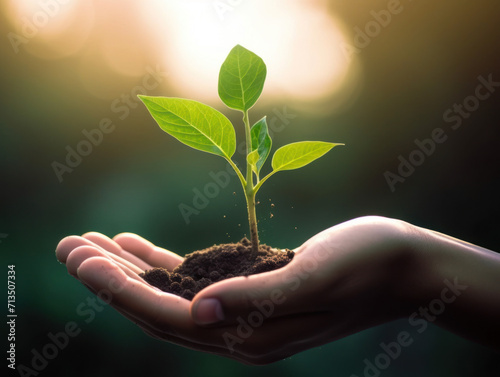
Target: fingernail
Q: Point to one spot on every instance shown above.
(208, 311)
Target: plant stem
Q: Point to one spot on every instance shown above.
(249, 189)
(252, 219)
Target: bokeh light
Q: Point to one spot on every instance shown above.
(51, 29)
(299, 41)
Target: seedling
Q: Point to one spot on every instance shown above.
(241, 80)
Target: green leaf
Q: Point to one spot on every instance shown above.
(241, 79)
(194, 124)
(261, 142)
(252, 159)
(297, 155)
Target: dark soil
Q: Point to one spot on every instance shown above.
(219, 262)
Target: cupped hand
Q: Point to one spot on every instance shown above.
(343, 280)
(111, 269)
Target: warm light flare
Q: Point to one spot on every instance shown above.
(50, 29)
(300, 41)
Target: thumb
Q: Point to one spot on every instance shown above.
(273, 294)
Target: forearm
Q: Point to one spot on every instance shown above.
(459, 286)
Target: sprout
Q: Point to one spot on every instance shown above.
(241, 81)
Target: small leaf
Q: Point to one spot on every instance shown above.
(297, 155)
(261, 142)
(252, 159)
(241, 79)
(194, 124)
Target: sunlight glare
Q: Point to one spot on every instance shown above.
(53, 29)
(298, 40)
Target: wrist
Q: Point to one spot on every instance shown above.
(431, 266)
(389, 279)
(410, 266)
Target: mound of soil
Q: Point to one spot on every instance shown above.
(216, 263)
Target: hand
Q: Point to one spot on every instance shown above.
(355, 275)
(341, 281)
(110, 268)
(335, 280)
(352, 276)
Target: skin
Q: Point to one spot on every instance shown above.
(348, 278)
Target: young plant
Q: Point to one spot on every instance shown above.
(241, 80)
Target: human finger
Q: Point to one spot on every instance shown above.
(160, 310)
(113, 247)
(225, 301)
(82, 253)
(69, 244)
(148, 252)
(164, 314)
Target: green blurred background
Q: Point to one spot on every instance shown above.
(67, 65)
